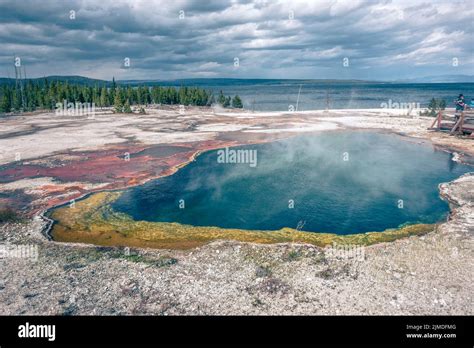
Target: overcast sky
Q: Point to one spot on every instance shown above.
(272, 39)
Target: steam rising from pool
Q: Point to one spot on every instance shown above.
(339, 182)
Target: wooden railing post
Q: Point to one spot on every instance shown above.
(458, 124)
(461, 125)
(437, 120)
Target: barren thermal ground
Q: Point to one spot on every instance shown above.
(70, 169)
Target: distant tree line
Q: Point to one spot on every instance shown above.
(31, 96)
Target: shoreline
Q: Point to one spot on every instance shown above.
(118, 229)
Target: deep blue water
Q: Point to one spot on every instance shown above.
(330, 194)
(277, 95)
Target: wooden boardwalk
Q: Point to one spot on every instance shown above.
(457, 123)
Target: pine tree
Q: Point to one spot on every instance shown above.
(5, 105)
(96, 95)
(16, 100)
(436, 105)
(147, 95)
(112, 92)
(156, 95)
(126, 108)
(118, 106)
(221, 98)
(211, 100)
(237, 102)
(104, 98)
(442, 104)
(226, 102)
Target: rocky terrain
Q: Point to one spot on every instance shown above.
(429, 274)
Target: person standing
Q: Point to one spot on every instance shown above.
(460, 104)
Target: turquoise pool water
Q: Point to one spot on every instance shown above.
(340, 182)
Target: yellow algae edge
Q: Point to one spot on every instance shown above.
(93, 221)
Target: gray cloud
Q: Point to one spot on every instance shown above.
(382, 39)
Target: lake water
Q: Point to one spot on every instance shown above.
(339, 182)
(278, 95)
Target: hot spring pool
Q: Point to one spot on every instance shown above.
(338, 182)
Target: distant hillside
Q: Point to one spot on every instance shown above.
(440, 79)
(77, 80)
(215, 82)
(233, 81)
